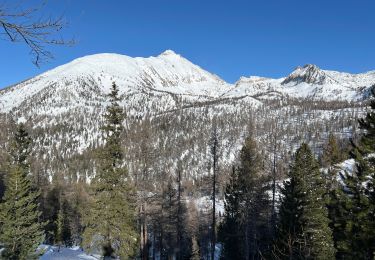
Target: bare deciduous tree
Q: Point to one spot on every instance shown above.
(27, 25)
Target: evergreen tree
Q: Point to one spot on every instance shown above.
(229, 231)
(255, 205)
(334, 194)
(20, 230)
(354, 244)
(331, 152)
(288, 244)
(358, 240)
(110, 222)
(367, 142)
(338, 221)
(63, 234)
(367, 165)
(303, 230)
(51, 205)
(245, 228)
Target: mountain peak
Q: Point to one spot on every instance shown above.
(311, 67)
(168, 53)
(309, 73)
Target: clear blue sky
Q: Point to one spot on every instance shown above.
(230, 38)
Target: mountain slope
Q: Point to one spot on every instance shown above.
(168, 72)
(310, 82)
(171, 107)
(87, 79)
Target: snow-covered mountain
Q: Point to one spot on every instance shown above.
(171, 105)
(170, 73)
(310, 82)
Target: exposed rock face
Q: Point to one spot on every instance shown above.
(310, 74)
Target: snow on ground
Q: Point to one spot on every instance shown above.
(72, 253)
(204, 204)
(218, 248)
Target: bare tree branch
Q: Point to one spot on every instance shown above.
(22, 25)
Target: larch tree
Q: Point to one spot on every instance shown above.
(27, 26)
(110, 224)
(20, 230)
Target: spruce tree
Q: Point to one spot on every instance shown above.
(110, 222)
(303, 230)
(20, 230)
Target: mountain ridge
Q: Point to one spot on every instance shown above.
(172, 73)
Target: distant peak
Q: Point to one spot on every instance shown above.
(309, 73)
(169, 53)
(251, 79)
(311, 67)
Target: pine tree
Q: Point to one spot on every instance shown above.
(315, 216)
(331, 152)
(20, 230)
(110, 222)
(63, 234)
(229, 231)
(338, 221)
(289, 230)
(245, 229)
(303, 230)
(255, 204)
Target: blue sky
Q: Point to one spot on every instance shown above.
(230, 38)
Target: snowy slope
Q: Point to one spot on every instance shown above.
(169, 74)
(166, 73)
(308, 81)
